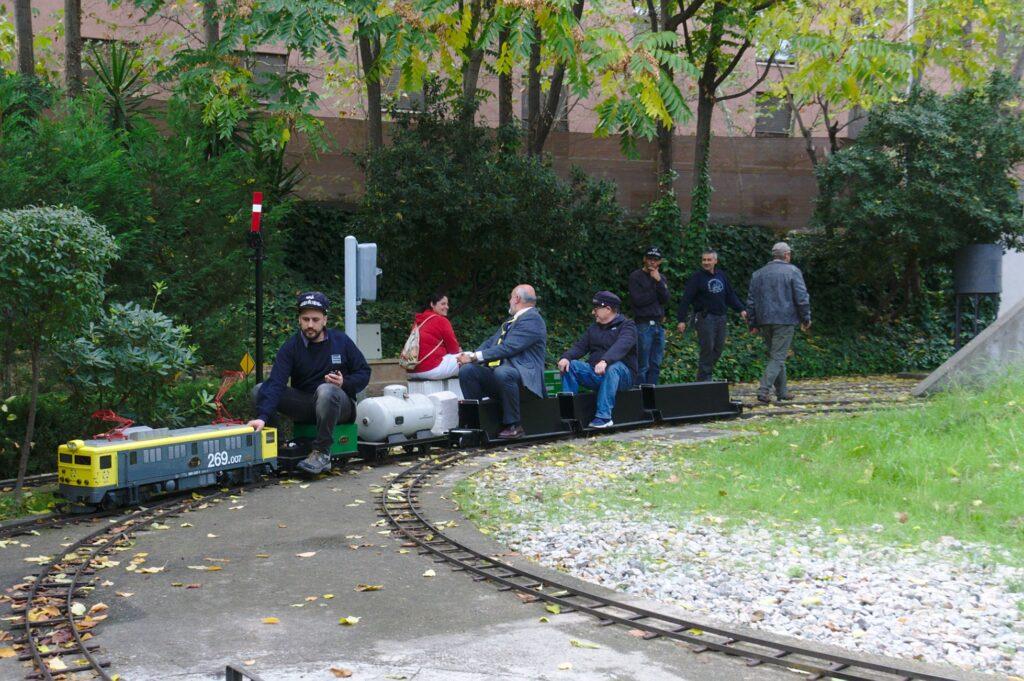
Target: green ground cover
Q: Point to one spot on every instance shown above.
(34, 502)
(954, 466)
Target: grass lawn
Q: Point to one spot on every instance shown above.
(954, 466)
(35, 501)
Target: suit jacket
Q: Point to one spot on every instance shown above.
(524, 347)
(778, 295)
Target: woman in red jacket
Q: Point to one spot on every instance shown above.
(438, 345)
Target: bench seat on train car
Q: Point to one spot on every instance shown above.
(419, 386)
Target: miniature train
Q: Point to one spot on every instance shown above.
(109, 473)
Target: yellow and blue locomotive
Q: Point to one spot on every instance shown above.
(144, 461)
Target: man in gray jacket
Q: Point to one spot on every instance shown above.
(776, 302)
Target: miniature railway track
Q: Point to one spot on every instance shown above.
(30, 480)
(49, 636)
(400, 504)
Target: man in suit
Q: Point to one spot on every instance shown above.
(511, 359)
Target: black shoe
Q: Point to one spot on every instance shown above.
(764, 399)
(788, 397)
(512, 432)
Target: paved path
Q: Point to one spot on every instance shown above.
(423, 628)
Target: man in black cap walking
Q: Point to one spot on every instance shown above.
(648, 296)
(326, 371)
(610, 346)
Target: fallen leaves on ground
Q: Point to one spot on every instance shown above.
(270, 620)
(341, 672)
(369, 587)
(349, 620)
(576, 643)
(305, 554)
(430, 573)
(205, 568)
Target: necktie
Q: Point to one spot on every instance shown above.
(504, 331)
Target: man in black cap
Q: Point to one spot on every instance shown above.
(610, 345)
(648, 296)
(326, 371)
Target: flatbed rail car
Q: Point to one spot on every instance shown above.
(145, 461)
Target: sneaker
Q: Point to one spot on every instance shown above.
(317, 462)
(763, 399)
(512, 432)
(599, 422)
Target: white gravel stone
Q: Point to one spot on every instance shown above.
(944, 601)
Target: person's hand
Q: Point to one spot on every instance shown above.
(681, 327)
(563, 365)
(754, 330)
(601, 367)
(805, 327)
(743, 315)
(464, 358)
(655, 274)
(256, 424)
(335, 378)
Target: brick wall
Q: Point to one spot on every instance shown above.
(757, 181)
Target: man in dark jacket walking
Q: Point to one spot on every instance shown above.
(776, 302)
(711, 294)
(326, 371)
(648, 296)
(610, 345)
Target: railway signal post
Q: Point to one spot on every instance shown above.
(256, 243)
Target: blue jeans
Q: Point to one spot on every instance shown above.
(616, 377)
(650, 349)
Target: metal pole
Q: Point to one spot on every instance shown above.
(956, 323)
(351, 248)
(256, 241)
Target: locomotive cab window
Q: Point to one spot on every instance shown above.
(82, 460)
(105, 462)
(270, 438)
(65, 458)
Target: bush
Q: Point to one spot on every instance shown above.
(57, 421)
(127, 361)
(926, 176)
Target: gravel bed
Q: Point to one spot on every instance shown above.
(943, 601)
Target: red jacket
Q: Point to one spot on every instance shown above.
(437, 339)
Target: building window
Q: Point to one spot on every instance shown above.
(408, 101)
(774, 117)
(266, 68)
(783, 53)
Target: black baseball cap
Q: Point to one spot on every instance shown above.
(313, 300)
(654, 252)
(607, 299)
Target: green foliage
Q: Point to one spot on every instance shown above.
(51, 270)
(127, 361)
(57, 421)
(122, 81)
(926, 177)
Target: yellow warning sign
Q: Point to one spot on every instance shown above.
(247, 364)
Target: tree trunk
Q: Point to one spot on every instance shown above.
(7, 367)
(369, 49)
(533, 90)
(700, 193)
(73, 47)
(666, 157)
(470, 79)
(23, 32)
(1018, 66)
(30, 422)
(211, 24)
(504, 88)
(541, 124)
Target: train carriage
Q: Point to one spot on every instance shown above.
(104, 472)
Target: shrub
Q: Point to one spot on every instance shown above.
(126, 361)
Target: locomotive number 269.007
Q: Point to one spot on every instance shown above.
(221, 459)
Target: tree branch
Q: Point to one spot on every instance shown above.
(684, 15)
(760, 79)
(732, 65)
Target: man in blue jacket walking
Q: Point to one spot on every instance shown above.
(610, 345)
(776, 302)
(711, 294)
(326, 371)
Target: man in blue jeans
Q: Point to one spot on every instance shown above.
(610, 345)
(648, 296)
